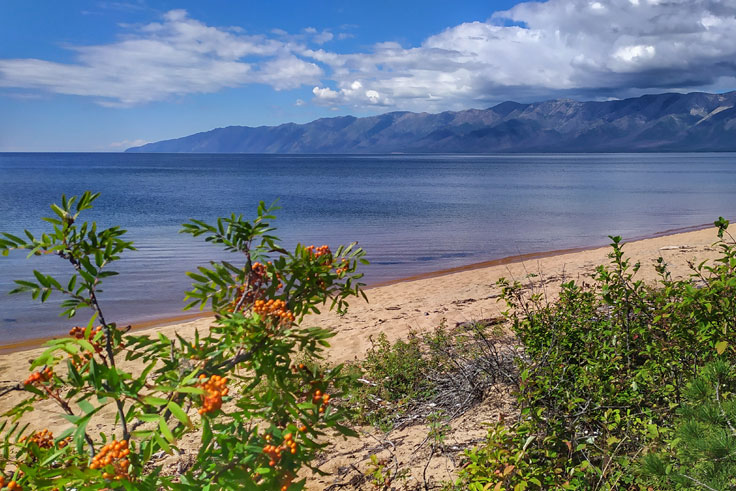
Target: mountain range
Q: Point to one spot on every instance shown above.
(658, 123)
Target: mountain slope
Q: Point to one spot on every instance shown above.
(663, 122)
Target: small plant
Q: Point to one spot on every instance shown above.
(384, 473)
(448, 369)
(438, 429)
(394, 380)
(260, 415)
(516, 458)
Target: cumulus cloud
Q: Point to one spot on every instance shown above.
(353, 93)
(571, 48)
(574, 48)
(176, 56)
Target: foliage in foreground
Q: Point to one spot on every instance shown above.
(604, 374)
(251, 389)
(702, 453)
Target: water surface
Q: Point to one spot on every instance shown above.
(412, 213)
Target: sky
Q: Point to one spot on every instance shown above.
(102, 76)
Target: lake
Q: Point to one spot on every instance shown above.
(412, 213)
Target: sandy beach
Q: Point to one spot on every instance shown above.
(421, 304)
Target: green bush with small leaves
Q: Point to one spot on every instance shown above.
(604, 371)
(513, 458)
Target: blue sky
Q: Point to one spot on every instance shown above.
(102, 76)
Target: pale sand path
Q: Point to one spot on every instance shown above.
(420, 305)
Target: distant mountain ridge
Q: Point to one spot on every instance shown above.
(665, 122)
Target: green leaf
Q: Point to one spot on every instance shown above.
(179, 413)
(86, 406)
(165, 431)
(162, 443)
(155, 401)
(41, 278)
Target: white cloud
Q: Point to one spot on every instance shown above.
(574, 48)
(287, 72)
(350, 93)
(325, 93)
(318, 37)
(323, 37)
(373, 96)
(635, 53)
(174, 57)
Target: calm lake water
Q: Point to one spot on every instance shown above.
(412, 214)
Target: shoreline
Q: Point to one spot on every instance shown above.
(35, 343)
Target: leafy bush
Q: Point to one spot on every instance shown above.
(605, 367)
(512, 458)
(261, 413)
(392, 381)
(448, 369)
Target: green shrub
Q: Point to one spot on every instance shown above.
(605, 366)
(517, 457)
(448, 370)
(392, 381)
(259, 414)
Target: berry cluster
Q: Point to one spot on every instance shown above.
(343, 267)
(273, 308)
(215, 390)
(37, 378)
(80, 359)
(43, 438)
(78, 333)
(318, 252)
(322, 400)
(116, 454)
(12, 485)
(258, 273)
(318, 397)
(258, 283)
(274, 451)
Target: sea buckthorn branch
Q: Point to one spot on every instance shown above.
(88, 251)
(260, 328)
(238, 377)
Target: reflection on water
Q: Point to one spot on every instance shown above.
(412, 213)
